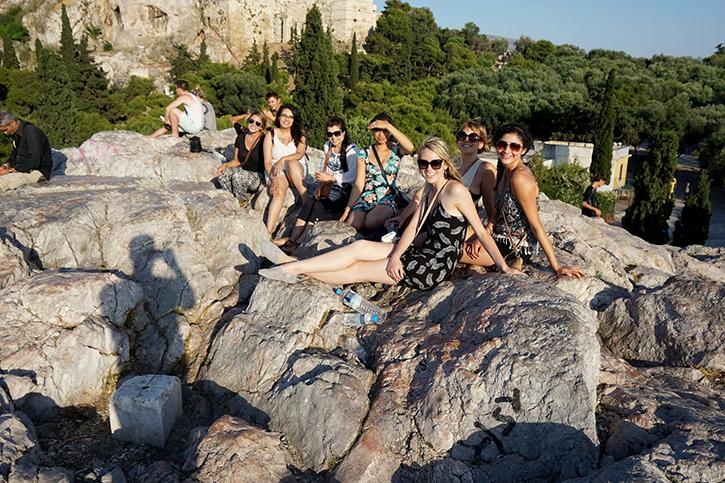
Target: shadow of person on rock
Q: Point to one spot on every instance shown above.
(510, 452)
(158, 327)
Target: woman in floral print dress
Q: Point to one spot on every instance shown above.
(376, 203)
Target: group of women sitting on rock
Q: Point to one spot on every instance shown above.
(441, 224)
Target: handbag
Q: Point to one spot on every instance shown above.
(401, 199)
(195, 144)
(333, 196)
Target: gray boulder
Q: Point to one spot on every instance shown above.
(679, 324)
(490, 370)
(232, 450)
(18, 443)
(13, 263)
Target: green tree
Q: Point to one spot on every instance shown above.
(238, 92)
(253, 58)
(393, 38)
(58, 116)
(647, 216)
(10, 59)
(67, 45)
(317, 88)
(203, 52)
(274, 68)
(182, 62)
(93, 86)
(11, 24)
(712, 155)
(354, 62)
(693, 227)
(603, 135)
(266, 67)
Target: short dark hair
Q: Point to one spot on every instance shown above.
(182, 84)
(382, 116)
(271, 94)
(598, 177)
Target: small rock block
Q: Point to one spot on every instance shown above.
(144, 409)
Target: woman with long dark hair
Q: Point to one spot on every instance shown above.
(518, 230)
(284, 148)
(445, 210)
(340, 184)
(244, 174)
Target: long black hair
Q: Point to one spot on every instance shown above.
(297, 130)
(522, 131)
(383, 116)
(338, 121)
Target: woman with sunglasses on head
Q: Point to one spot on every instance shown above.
(339, 183)
(243, 175)
(518, 228)
(444, 212)
(284, 148)
(376, 203)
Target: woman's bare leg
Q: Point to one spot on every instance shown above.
(295, 173)
(357, 219)
(275, 204)
(377, 217)
(483, 259)
(342, 258)
(373, 271)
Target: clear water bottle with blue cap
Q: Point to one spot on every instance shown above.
(369, 312)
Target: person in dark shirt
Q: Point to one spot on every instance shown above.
(589, 198)
(30, 161)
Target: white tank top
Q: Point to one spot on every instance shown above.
(467, 178)
(195, 110)
(279, 149)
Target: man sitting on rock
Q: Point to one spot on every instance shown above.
(589, 198)
(190, 121)
(30, 160)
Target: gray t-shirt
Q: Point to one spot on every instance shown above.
(209, 116)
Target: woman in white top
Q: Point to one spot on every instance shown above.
(284, 148)
(339, 183)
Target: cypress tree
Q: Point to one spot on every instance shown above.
(67, 46)
(693, 227)
(274, 69)
(203, 52)
(266, 67)
(93, 94)
(58, 115)
(603, 135)
(253, 57)
(181, 63)
(317, 88)
(648, 215)
(354, 63)
(10, 59)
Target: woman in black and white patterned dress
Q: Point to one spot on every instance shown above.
(444, 212)
(518, 226)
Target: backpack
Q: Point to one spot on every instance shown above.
(195, 144)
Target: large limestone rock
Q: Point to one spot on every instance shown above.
(13, 262)
(659, 426)
(263, 365)
(55, 353)
(680, 324)
(232, 450)
(142, 32)
(186, 244)
(493, 372)
(18, 443)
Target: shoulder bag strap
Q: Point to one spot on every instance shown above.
(249, 151)
(380, 164)
(427, 209)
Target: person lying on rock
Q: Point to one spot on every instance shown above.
(30, 160)
(270, 115)
(190, 120)
(244, 174)
(377, 202)
(444, 213)
(518, 230)
(284, 147)
(341, 181)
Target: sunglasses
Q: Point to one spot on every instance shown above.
(433, 163)
(334, 134)
(515, 147)
(288, 116)
(462, 137)
(256, 123)
(377, 129)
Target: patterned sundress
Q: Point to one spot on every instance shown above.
(521, 233)
(375, 192)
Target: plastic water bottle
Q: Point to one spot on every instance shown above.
(370, 313)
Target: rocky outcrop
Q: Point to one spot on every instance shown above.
(143, 32)
(235, 451)
(680, 324)
(13, 263)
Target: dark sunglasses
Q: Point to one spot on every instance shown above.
(515, 147)
(462, 137)
(433, 163)
(256, 123)
(377, 129)
(333, 134)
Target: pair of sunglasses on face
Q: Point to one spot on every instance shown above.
(462, 137)
(252, 121)
(516, 148)
(433, 163)
(334, 134)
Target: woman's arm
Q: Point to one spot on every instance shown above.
(267, 150)
(299, 153)
(406, 146)
(525, 189)
(357, 187)
(464, 204)
(486, 183)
